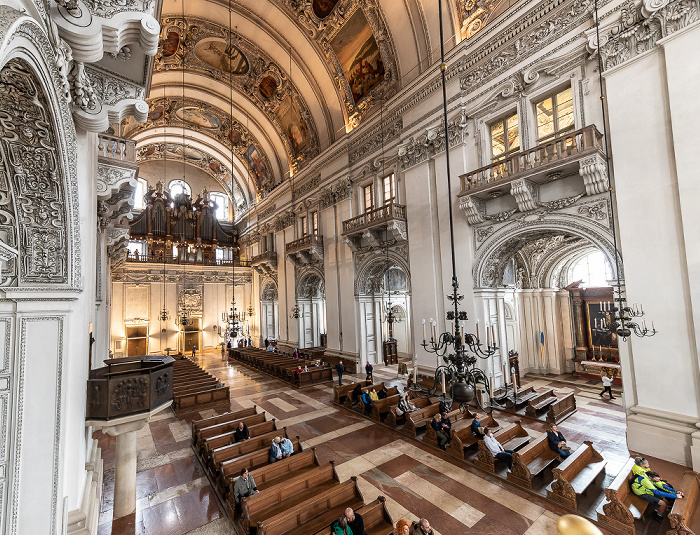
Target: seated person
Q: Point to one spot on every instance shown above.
(403, 527)
(244, 486)
(649, 487)
(367, 400)
(496, 449)
(306, 368)
(442, 435)
(422, 527)
(355, 522)
(298, 370)
(373, 395)
(287, 447)
(340, 526)
(477, 428)
(557, 442)
(241, 432)
(270, 347)
(275, 450)
(296, 353)
(404, 406)
(357, 391)
(382, 393)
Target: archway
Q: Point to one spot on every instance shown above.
(269, 311)
(311, 298)
(383, 281)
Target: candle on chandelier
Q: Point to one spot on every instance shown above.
(488, 337)
(415, 371)
(442, 379)
(477, 330)
(505, 380)
(652, 326)
(424, 330)
(600, 304)
(641, 308)
(491, 384)
(493, 334)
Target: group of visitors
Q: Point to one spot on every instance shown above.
(281, 448)
(369, 397)
(649, 486)
(349, 523)
(420, 527)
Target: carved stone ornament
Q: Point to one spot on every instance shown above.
(421, 148)
(371, 141)
(250, 70)
(324, 30)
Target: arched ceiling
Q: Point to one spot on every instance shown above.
(263, 86)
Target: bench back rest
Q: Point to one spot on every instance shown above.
(578, 460)
(425, 413)
(541, 397)
(252, 460)
(374, 513)
(509, 431)
(222, 418)
(376, 387)
(691, 490)
(231, 426)
(297, 461)
(534, 449)
(225, 439)
(232, 451)
(527, 390)
(344, 388)
(387, 401)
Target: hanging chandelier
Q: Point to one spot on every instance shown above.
(295, 312)
(164, 315)
(616, 316)
(458, 349)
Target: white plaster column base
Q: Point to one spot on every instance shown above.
(84, 521)
(672, 437)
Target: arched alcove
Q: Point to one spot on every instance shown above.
(311, 299)
(269, 310)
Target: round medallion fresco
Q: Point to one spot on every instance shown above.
(221, 55)
(323, 8)
(198, 116)
(268, 87)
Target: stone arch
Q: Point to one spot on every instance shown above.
(538, 249)
(38, 182)
(371, 270)
(311, 284)
(269, 290)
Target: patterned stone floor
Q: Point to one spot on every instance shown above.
(174, 496)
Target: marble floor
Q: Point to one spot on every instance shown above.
(174, 496)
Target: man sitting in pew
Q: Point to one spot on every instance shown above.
(270, 347)
(496, 449)
(275, 450)
(241, 432)
(477, 428)
(367, 400)
(649, 487)
(244, 486)
(287, 447)
(404, 406)
(557, 442)
(355, 522)
(442, 425)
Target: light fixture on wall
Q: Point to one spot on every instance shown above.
(616, 316)
(458, 349)
(295, 312)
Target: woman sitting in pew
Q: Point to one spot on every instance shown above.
(404, 406)
(275, 450)
(557, 442)
(496, 449)
(649, 487)
(477, 428)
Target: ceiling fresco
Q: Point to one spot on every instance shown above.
(198, 116)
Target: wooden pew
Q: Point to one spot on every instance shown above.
(511, 437)
(376, 518)
(420, 418)
(462, 438)
(561, 409)
(231, 469)
(341, 392)
(219, 419)
(531, 461)
(286, 495)
(350, 400)
(685, 511)
(271, 474)
(226, 438)
(360, 407)
(623, 506)
(539, 402)
(524, 395)
(573, 476)
(315, 374)
(228, 429)
(315, 513)
(382, 406)
(419, 403)
(225, 453)
(204, 399)
(456, 418)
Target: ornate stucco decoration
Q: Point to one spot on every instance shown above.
(423, 147)
(306, 187)
(335, 193)
(324, 29)
(371, 141)
(117, 244)
(253, 73)
(214, 167)
(116, 185)
(639, 28)
(195, 274)
(371, 266)
(475, 14)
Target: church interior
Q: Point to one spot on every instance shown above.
(384, 267)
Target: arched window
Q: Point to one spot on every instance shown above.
(141, 188)
(178, 187)
(593, 269)
(221, 206)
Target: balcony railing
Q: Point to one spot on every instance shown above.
(304, 243)
(551, 154)
(129, 386)
(116, 148)
(265, 258)
(373, 218)
(144, 259)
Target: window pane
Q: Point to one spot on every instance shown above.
(565, 110)
(303, 225)
(545, 118)
(315, 222)
(221, 201)
(368, 198)
(388, 188)
(513, 137)
(498, 144)
(139, 193)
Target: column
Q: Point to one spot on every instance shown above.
(125, 474)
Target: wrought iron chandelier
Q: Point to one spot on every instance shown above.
(616, 316)
(458, 349)
(164, 315)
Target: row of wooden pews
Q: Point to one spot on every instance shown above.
(282, 366)
(537, 404)
(194, 389)
(297, 495)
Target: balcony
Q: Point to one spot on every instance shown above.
(578, 153)
(129, 386)
(265, 263)
(374, 224)
(153, 259)
(305, 251)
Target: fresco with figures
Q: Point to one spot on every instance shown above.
(221, 55)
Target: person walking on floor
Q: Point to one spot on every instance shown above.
(607, 385)
(340, 369)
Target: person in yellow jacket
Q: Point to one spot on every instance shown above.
(649, 487)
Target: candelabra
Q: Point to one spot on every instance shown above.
(295, 312)
(164, 315)
(618, 319)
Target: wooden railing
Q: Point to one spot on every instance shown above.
(268, 256)
(304, 243)
(375, 217)
(145, 258)
(560, 149)
(116, 148)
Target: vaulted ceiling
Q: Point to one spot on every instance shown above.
(269, 84)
